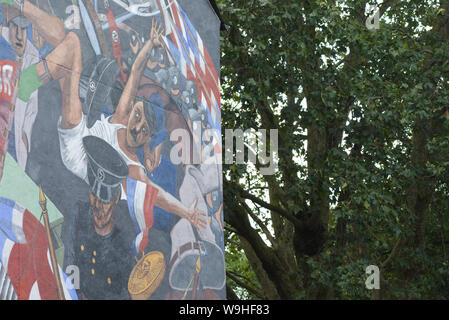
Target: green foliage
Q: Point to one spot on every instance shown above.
(363, 176)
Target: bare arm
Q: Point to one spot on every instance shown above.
(49, 27)
(169, 203)
(125, 104)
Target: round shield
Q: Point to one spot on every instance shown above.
(146, 276)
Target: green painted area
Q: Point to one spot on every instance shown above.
(17, 186)
(28, 83)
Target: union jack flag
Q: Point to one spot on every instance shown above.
(193, 59)
(25, 266)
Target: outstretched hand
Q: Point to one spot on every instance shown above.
(155, 40)
(155, 33)
(197, 217)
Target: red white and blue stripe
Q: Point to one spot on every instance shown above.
(141, 198)
(193, 59)
(25, 258)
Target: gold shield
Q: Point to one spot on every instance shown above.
(146, 276)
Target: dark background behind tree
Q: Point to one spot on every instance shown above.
(363, 148)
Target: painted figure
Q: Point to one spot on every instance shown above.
(15, 32)
(160, 170)
(126, 77)
(95, 242)
(129, 128)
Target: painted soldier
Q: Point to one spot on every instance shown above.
(176, 84)
(98, 241)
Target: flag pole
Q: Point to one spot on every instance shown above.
(54, 264)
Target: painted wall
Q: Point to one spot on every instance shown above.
(113, 109)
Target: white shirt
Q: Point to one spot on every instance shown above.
(71, 144)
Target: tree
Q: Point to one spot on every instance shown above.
(363, 148)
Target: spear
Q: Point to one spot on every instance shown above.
(54, 264)
(194, 280)
(197, 275)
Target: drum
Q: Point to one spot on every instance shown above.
(186, 249)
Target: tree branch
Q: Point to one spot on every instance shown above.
(392, 253)
(260, 224)
(230, 294)
(274, 267)
(242, 284)
(244, 194)
(231, 229)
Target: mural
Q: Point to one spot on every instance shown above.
(111, 184)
